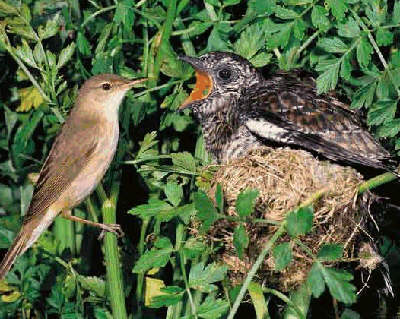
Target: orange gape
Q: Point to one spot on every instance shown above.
(201, 89)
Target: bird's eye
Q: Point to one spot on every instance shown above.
(225, 74)
(106, 86)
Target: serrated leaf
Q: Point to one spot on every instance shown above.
(349, 29)
(299, 222)
(30, 98)
(212, 308)
(201, 277)
(50, 29)
(327, 81)
(65, 55)
(338, 282)
(251, 40)
(219, 38)
(206, 211)
(168, 296)
(346, 67)
(151, 209)
(381, 112)
(282, 255)
(184, 161)
(333, 45)
(8, 9)
(316, 281)
(338, 8)
(389, 128)
(396, 13)
(285, 13)
(364, 52)
(261, 59)
(174, 193)
(193, 248)
(26, 54)
(246, 201)
(124, 13)
(319, 18)
(330, 252)
(363, 96)
(83, 44)
(281, 38)
(240, 240)
(93, 284)
(154, 258)
(384, 37)
(258, 300)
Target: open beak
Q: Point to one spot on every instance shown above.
(203, 86)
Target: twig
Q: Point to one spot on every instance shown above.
(285, 299)
(92, 16)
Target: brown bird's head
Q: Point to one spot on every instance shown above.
(220, 79)
(105, 91)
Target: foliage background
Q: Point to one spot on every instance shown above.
(48, 48)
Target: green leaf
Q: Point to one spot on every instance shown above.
(349, 314)
(299, 222)
(240, 240)
(363, 96)
(261, 59)
(381, 112)
(396, 13)
(319, 18)
(193, 248)
(384, 37)
(83, 44)
(219, 198)
(316, 281)
(330, 252)
(171, 296)
(212, 308)
(124, 14)
(154, 258)
(281, 38)
(206, 211)
(282, 255)
(65, 55)
(246, 201)
(219, 38)
(201, 277)
(338, 8)
(299, 28)
(25, 53)
(8, 9)
(93, 284)
(50, 29)
(258, 300)
(151, 209)
(338, 282)
(174, 193)
(184, 161)
(346, 67)
(389, 128)
(251, 40)
(364, 52)
(284, 13)
(327, 81)
(333, 45)
(349, 29)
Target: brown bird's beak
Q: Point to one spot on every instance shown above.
(204, 83)
(135, 81)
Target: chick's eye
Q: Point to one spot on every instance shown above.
(225, 74)
(106, 86)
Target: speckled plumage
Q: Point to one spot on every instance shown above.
(247, 110)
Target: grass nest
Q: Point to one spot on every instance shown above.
(285, 178)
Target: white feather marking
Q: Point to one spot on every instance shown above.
(267, 130)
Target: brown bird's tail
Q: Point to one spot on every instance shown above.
(17, 248)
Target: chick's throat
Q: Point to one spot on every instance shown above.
(201, 90)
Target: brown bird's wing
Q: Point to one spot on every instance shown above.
(70, 153)
(292, 113)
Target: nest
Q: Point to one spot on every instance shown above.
(285, 178)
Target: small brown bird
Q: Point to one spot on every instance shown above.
(239, 110)
(78, 159)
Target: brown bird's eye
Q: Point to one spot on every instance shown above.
(106, 86)
(225, 74)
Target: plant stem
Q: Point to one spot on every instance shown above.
(140, 278)
(183, 269)
(111, 254)
(376, 181)
(306, 44)
(164, 38)
(286, 300)
(92, 16)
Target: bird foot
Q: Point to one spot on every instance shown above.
(112, 228)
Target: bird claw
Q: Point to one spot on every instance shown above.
(112, 228)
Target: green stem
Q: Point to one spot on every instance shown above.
(183, 269)
(111, 254)
(94, 15)
(376, 181)
(306, 44)
(165, 35)
(140, 278)
(286, 300)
